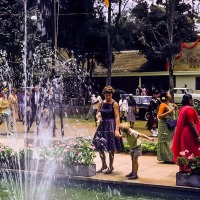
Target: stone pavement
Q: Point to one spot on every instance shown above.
(150, 170)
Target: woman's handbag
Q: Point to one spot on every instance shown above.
(171, 124)
(136, 109)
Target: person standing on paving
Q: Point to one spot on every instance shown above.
(36, 100)
(95, 100)
(152, 123)
(123, 108)
(131, 113)
(134, 142)
(105, 138)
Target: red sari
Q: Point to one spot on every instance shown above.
(184, 139)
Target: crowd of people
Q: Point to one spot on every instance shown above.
(38, 104)
(27, 106)
(171, 140)
(142, 91)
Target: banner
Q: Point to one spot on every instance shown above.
(189, 57)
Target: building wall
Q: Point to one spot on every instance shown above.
(190, 81)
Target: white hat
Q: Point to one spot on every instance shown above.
(130, 94)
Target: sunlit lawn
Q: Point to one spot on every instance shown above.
(140, 125)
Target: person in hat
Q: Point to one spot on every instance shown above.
(131, 113)
(152, 123)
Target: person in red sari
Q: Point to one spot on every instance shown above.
(187, 133)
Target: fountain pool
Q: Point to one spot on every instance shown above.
(65, 188)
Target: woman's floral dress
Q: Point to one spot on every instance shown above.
(104, 138)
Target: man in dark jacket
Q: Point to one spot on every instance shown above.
(152, 123)
(36, 100)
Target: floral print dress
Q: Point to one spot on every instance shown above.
(104, 138)
(165, 137)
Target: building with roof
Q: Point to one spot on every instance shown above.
(130, 69)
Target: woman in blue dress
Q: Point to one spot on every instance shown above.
(105, 138)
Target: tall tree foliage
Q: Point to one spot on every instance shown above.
(12, 28)
(160, 28)
(151, 32)
(10, 36)
(115, 10)
(81, 33)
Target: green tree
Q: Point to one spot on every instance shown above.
(10, 36)
(160, 28)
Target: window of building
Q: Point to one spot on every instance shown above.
(197, 83)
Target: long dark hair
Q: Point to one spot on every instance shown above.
(186, 99)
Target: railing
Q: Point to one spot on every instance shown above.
(77, 102)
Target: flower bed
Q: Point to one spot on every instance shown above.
(73, 152)
(13, 159)
(189, 170)
(76, 151)
(188, 163)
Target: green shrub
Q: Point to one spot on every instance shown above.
(126, 147)
(147, 147)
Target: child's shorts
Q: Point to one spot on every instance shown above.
(137, 151)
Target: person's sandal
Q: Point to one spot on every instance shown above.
(101, 170)
(130, 174)
(134, 176)
(109, 171)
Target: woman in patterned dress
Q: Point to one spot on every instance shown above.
(166, 112)
(105, 138)
(131, 114)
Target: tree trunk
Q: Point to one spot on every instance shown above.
(170, 8)
(108, 80)
(171, 75)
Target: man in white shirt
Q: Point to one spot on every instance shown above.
(144, 91)
(123, 108)
(95, 100)
(138, 91)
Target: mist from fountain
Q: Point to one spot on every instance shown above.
(27, 183)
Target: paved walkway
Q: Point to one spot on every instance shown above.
(150, 170)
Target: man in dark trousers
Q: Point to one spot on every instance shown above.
(49, 107)
(152, 123)
(36, 100)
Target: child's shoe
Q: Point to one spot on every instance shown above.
(134, 176)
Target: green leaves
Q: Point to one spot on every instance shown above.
(147, 147)
(152, 34)
(76, 151)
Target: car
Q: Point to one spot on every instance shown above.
(143, 104)
(118, 93)
(179, 92)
